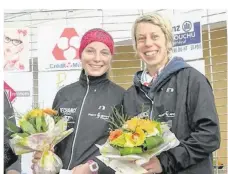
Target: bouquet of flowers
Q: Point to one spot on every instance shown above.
(134, 139)
(136, 136)
(40, 130)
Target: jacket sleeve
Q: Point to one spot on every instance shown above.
(103, 169)
(203, 121)
(11, 161)
(15, 166)
(8, 109)
(131, 104)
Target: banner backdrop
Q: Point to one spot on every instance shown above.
(58, 47)
(16, 49)
(20, 94)
(187, 31)
(51, 82)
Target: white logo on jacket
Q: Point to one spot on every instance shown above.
(169, 90)
(102, 107)
(69, 119)
(68, 111)
(167, 114)
(99, 115)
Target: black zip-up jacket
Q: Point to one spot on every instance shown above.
(182, 97)
(87, 104)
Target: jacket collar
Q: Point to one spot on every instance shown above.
(174, 65)
(93, 80)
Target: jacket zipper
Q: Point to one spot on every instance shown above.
(152, 102)
(76, 131)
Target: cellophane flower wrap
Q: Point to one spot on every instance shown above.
(133, 141)
(40, 130)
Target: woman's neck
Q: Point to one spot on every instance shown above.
(154, 69)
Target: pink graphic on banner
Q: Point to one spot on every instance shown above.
(67, 45)
(10, 92)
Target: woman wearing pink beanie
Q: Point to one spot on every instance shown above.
(87, 104)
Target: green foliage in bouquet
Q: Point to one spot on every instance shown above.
(32, 122)
(117, 118)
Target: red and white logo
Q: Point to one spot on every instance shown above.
(67, 46)
(10, 92)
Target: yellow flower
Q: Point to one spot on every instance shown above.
(148, 126)
(132, 124)
(35, 113)
(134, 139)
